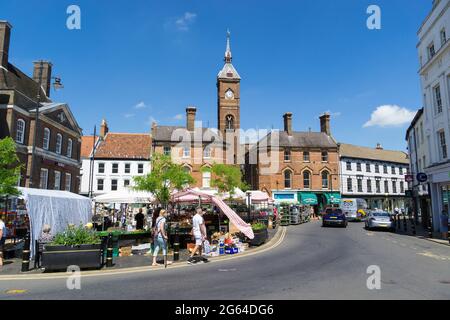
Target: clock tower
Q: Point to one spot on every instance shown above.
(228, 102)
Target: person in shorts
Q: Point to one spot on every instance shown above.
(199, 234)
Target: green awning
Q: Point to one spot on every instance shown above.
(333, 198)
(308, 198)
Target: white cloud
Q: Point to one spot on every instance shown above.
(140, 105)
(178, 117)
(390, 116)
(183, 23)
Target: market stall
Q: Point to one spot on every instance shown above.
(234, 219)
(58, 209)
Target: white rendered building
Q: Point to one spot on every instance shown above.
(374, 174)
(434, 56)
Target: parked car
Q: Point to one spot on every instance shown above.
(380, 220)
(334, 217)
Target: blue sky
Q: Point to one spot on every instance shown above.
(139, 60)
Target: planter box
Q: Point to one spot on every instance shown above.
(60, 257)
(260, 238)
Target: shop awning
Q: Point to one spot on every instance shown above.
(333, 198)
(308, 198)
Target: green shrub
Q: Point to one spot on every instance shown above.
(75, 236)
(259, 226)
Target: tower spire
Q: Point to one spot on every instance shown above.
(228, 56)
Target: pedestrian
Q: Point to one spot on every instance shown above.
(46, 235)
(139, 217)
(160, 238)
(199, 234)
(2, 239)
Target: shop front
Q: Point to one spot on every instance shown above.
(285, 197)
(439, 182)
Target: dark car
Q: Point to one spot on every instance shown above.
(334, 217)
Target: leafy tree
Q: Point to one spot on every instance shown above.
(164, 178)
(9, 168)
(226, 178)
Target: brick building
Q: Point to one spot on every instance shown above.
(56, 164)
(301, 166)
(200, 146)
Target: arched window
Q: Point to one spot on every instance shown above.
(307, 180)
(20, 131)
(206, 177)
(187, 169)
(58, 143)
(229, 122)
(287, 179)
(325, 176)
(207, 152)
(46, 140)
(69, 148)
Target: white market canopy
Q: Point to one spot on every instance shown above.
(237, 195)
(58, 209)
(125, 196)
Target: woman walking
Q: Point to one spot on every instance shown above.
(160, 236)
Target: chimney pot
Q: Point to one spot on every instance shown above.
(288, 123)
(190, 118)
(325, 123)
(42, 73)
(5, 36)
(103, 129)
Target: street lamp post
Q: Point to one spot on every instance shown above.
(249, 199)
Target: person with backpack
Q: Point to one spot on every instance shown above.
(159, 236)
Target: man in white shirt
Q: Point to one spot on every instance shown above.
(2, 240)
(199, 233)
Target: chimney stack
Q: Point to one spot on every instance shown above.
(325, 124)
(43, 72)
(103, 129)
(190, 118)
(379, 147)
(288, 123)
(5, 36)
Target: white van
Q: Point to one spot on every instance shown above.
(354, 209)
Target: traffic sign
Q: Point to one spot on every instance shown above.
(422, 177)
(409, 178)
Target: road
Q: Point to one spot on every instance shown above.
(311, 263)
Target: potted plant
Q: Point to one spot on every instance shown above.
(76, 246)
(261, 234)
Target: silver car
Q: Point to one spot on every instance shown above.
(379, 220)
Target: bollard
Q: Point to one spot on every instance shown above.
(405, 225)
(109, 252)
(413, 226)
(176, 249)
(26, 254)
(430, 228)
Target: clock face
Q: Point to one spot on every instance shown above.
(229, 94)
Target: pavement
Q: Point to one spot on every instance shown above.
(307, 262)
(13, 266)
